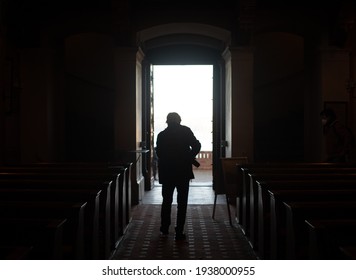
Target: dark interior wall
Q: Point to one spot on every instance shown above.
(37, 86)
(9, 103)
(89, 97)
(150, 13)
(279, 97)
(181, 54)
(33, 28)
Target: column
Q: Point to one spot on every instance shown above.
(128, 114)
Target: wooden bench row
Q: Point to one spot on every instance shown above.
(272, 199)
(83, 209)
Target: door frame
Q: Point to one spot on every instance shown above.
(218, 138)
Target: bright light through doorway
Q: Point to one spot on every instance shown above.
(187, 90)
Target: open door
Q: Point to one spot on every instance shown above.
(216, 127)
(179, 55)
(218, 122)
(147, 124)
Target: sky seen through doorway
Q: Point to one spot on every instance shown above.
(187, 90)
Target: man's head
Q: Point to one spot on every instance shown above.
(173, 118)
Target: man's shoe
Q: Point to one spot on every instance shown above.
(180, 236)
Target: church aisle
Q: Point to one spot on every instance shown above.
(206, 238)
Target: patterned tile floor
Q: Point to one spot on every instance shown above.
(207, 238)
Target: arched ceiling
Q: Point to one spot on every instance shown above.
(184, 33)
(183, 43)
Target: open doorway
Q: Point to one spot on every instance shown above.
(187, 90)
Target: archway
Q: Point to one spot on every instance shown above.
(187, 43)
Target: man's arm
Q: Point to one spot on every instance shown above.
(195, 145)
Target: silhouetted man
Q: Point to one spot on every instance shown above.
(177, 148)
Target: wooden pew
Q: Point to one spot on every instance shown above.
(122, 201)
(128, 170)
(249, 201)
(92, 197)
(121, 207)
(44, 237)
(264, 207)
(81, 167)
(255, 195)
(327, 236)
(243, 215)
(121, 191)
(72, 212)
(286, 174)
(249, 198)
(105, 218)
(298, 212)
(278, 213)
